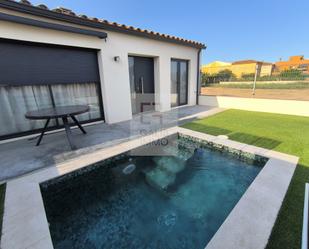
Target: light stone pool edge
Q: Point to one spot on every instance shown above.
(25, 224)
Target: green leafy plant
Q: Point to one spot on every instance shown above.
(291, 74)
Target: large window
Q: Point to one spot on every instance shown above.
(35, 76)
(179, 82)
(15, 101)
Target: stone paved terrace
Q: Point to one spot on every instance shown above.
(22, 156)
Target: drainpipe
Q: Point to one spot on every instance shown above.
(198, 74)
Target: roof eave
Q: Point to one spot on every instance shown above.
(33, 10)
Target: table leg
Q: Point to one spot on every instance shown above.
(68, 132)
(42, 133)
(78, 124)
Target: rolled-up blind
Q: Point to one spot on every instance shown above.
(34, 63)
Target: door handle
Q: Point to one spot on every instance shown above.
(142, 83)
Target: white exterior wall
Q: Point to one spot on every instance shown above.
(290, 107)
(115, 83)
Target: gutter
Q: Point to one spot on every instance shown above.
(198, 78)
(53, 26)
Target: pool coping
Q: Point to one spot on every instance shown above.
(25, 224)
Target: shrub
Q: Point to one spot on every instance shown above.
(224, 75)
(248, 76)
(291, 74)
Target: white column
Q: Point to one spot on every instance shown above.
(115, 85)
(162, 71)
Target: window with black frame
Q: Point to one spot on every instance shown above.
(179, 82)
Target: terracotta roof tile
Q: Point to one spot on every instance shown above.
(66, 11)
(42, 6)
(94, 19)
(250, 62)
(83, 16)
(25, 2)
(244, 62)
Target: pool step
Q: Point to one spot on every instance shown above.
(173, 150)
(164, 174)
(170, 164)
(172, 172)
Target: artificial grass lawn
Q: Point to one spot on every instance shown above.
(284, 133)
(2, 196)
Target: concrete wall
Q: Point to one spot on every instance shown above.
(115, 75)
(291, 107)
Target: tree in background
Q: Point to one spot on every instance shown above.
(224, 75)
(205, 79)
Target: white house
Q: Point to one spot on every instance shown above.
(55, 57)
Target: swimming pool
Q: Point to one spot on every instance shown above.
(176, 200)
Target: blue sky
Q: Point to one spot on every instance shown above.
(233, 30)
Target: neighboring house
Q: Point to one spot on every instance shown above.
(54, 57)
(216, 67)
(295, 62)
(266, 69)
(240, 68)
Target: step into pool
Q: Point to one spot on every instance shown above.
(175, 200)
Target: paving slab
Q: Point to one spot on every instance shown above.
(22, 156)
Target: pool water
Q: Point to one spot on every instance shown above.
(160, 202)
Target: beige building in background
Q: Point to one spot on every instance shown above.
(267, 69)
(216, 66)
(239, 68)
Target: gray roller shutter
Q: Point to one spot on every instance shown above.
(35, 63)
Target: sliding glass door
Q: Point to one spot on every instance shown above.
(35, 76)
(15, 101)
(179, 82)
